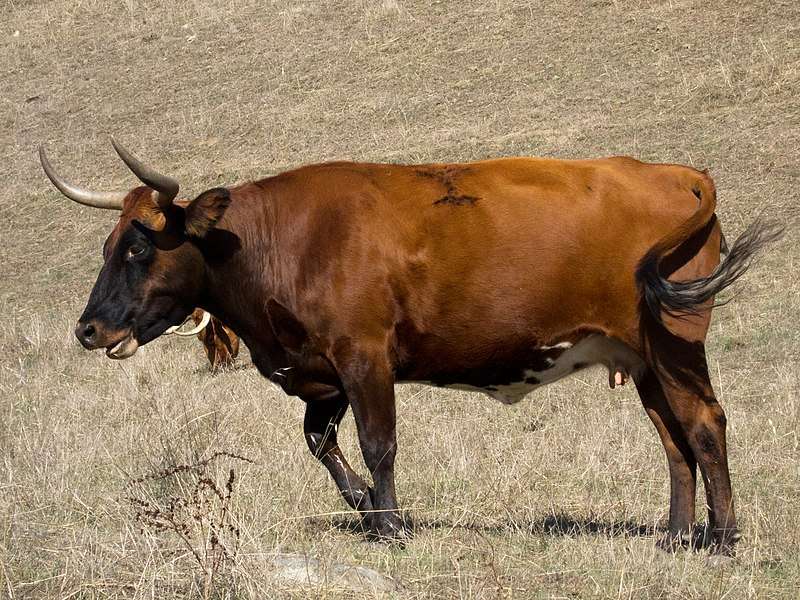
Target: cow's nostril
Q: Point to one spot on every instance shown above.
(86, 332)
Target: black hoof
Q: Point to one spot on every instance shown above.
(720, 542)
(672, 541)
(387, 528)
(724, 541)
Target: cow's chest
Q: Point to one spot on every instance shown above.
(552, 363)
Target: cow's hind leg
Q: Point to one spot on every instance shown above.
(680, 459)
(691, 398)
(320, 427)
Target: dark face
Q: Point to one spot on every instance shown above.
(151, 277)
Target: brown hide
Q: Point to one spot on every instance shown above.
(455, 269)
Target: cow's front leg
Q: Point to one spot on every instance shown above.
(368, 382)
(320, 427)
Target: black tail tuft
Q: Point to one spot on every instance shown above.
(680, 298)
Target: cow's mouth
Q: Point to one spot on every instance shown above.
(125, 348)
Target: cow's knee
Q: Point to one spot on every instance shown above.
(318, 444)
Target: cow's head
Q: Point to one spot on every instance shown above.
(153, 270)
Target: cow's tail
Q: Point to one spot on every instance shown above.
(680, 298)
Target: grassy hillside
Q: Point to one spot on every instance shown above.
(559, 496)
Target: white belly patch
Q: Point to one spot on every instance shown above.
(592, 350)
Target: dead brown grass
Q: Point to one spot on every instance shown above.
(556, 497)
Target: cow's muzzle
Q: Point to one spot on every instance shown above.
(119, 345)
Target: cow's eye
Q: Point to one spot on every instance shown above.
(135, 251)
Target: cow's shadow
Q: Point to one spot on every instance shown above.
(560, 525)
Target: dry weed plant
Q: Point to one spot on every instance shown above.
(188, 501)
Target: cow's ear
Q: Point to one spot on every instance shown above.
(204, 211)
(288, 329)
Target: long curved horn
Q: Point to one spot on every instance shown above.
(166, 187)
(176, 329)
(109, 200)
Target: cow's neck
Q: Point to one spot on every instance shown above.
(241, 280)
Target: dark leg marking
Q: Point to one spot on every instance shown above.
(707, 442)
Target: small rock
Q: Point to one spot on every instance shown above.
(306, 571)
(720, 561)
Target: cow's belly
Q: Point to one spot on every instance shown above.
(592, 350)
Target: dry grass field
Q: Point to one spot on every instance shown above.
(560, 496)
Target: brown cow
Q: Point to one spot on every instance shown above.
(499, 276)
